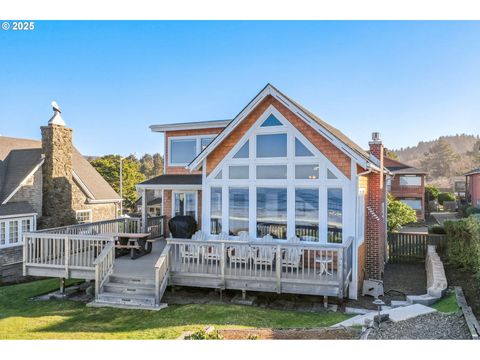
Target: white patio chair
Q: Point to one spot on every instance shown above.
(292, 256)
(264, 255)
(213, 253)
(240, 254)
(191, 252)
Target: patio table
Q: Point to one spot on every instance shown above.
(137, 243)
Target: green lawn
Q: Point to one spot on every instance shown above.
(448, 304)
(23, 318)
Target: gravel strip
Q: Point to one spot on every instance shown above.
(431, 326)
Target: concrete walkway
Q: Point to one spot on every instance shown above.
(396, 314)
(441, 217)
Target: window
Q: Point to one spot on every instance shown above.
(185, 204)
(238, 172)
(301, 150)
(272, 212)
(3, 234)
(243, 152)
(83, 216)
(271, 171)
(331, 175)
(272, 145)
(13, 233)
(309, 172)
(306, 214)
(216, 210)
(410, 180)
(271, 121)
(219, 175)
(204, 142)
(182, 151)
(334, 215)
(238, 210)
(415, 204)
(25, 225)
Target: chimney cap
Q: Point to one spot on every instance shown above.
(56, 119)
(376, 137)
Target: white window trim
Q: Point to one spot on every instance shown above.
(7, 220)
(322, 183)
(77, 212)
(185, 192)
(198, 146)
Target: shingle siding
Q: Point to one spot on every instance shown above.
(31, 193)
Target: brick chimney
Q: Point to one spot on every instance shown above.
(57, 172)
(376, 226)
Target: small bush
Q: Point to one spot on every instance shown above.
(203, 335)
(463, 243)
(472, 211)
(436, 229)
(446, 196)
(431, 192)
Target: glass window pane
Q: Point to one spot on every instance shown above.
(205, 141)
(3, 235)
(335, 210)
(179, 200)
(410, 181)
(191, 205)
(301, 150)
(271, 171)
(331, 175)
(243, 152)
(238, 210)
(415, 204)
(274, 145)
(271, 121)
(219, 175)
(238, 172)
(25, 225)
(13, 235)
(306, 171)
(183, 151)
(216, 210)
(306, 214)
(272, 212)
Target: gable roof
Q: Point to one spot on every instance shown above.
(19, 157)
(16, 208)
(397, 167)
(473, 172)
(331, 133)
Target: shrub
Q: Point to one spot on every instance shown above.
(204, 335)
(431, 192)
(463, 243)
(399, 214)
(436, 229)
(446, 196)
(472, 211)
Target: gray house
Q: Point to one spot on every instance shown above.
(45, 184)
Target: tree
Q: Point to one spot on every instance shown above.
(392, 155)
(431, 192)
(151, 166)
(399, 214)
(475, 153)
(109, 167)
(439, 160)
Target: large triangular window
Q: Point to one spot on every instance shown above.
(242, 153)
(301, 150)
(331, 175)
(271, 121)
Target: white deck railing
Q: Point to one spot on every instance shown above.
(104, 266)
(125, 225)
(271, 266)
(162, 274)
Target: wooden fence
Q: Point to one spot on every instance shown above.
(412, 247)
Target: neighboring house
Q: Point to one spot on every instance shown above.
(46, 183)
(277, 169)
(407, 185)
(473, 187)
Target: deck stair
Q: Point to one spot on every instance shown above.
(128, 292)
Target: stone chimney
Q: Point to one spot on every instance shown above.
(57, 172)
(376, 214)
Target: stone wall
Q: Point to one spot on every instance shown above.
(100, 212)
(11, 268)
(31, 193)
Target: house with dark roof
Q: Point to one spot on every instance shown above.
(46, 184)
(276, 170)
(407, 185)
(473, 187)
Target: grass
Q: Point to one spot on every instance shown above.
(24, 318)
(448, 304)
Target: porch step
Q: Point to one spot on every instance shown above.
(424, 299)
(122, 288)
(127, 299)
(130, 280)
(98, 303)
(399, 303)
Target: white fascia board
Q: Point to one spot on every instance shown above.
(7, 199)
(168, 187)
(103, 201)
(190, 126)
(268, 90)
(19, 215)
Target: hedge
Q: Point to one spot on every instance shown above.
(463, 243)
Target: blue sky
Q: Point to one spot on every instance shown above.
(411, 81)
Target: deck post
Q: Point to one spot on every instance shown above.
(279, 268)
(62, 286)
(67, 255)
(244, 294)
(144, 211)
(222, 264)
(325, 302)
